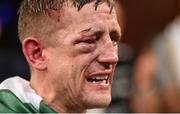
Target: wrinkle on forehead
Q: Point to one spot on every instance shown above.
(87, 11)
(102, 8)
(88, 17)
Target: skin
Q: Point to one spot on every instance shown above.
(87, 46)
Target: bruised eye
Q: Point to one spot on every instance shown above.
(86, 45)
(92, 39)
(89, 41)
(86, 40)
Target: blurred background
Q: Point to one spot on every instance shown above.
(147, 78)
(12, 61)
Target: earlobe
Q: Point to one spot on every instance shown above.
(33, 51)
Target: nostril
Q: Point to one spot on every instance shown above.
(107, 66)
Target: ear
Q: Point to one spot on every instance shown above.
(33, 51)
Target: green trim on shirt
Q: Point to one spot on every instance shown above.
(44, 108)
(10, 103)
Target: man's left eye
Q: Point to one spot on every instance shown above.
(115, 38)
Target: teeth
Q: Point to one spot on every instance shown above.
(100, 77)
(104, 81)
(94, 82)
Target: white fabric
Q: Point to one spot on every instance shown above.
(22, 90)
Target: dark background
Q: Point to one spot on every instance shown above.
(12, 61)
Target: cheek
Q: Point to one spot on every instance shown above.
(85, 59)
(82, 65)
(59, 65)
(84, 56)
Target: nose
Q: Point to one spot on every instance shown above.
(108, 54)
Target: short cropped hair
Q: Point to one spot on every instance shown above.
(35, 15)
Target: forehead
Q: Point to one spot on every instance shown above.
(88, 15)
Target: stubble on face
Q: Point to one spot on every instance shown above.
(83, 62)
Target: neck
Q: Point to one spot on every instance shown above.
(58, 107)
(58, 101)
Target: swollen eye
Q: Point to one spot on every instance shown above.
(89, 41)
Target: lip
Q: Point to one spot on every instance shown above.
(100, 86)
(104, 72)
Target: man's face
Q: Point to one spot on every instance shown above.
(81, 65)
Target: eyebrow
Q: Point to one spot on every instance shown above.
(85, 31)
(114, 31)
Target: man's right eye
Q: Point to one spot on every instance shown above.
(89, 41)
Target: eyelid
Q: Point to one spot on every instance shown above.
(93, 36)
(86, 39)
(89, 41)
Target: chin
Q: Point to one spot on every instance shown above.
(98, 102)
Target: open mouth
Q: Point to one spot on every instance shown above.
(98, 79)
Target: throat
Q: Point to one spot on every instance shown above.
(68, 109)
(65, 104)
